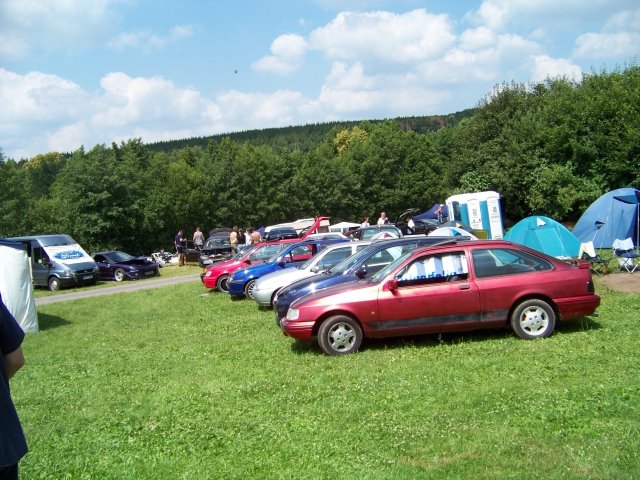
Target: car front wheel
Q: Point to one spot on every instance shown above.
(248, 289)
(118, 275)
(533, 319)
(339, 335)
(221, 284)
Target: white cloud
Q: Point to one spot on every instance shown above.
(148, 41)
(287, 54)
(620, 37)
(69, 25)
(384, 36)
(607, 45)
(546, 67)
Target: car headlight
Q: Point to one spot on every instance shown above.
(293, 314)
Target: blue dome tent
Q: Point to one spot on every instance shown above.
(545, 235)
(612, 216)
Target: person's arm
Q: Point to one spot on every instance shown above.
(13, 362)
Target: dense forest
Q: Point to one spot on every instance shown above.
(549, 148)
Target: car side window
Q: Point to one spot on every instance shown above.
(440, 268)
(99, 259)
(378, 261)
(503, 261)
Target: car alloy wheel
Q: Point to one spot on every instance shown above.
(221, 284)
(533, 319)
(248, 289)
(118, 275)
(339, 335)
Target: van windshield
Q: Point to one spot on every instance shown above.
(53, 240)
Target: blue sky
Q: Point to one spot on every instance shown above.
(79, 73)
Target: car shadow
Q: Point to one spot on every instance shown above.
(47, 322)
(451, 338)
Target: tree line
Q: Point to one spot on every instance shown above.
(549, 148)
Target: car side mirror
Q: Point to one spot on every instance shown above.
(315, 268)
(361, 273)
(392, 284)
(281, 262)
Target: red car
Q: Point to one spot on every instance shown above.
(217, 275)
(453, 287)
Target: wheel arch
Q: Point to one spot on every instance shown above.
(333, 313)
(532, 296)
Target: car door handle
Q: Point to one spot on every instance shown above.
(465, 287)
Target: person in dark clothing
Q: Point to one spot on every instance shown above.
(181, 247)
(13, 445)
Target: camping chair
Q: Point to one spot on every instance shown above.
(624, 252)
(588, 252)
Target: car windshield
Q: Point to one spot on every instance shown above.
(216, 242)
(389, 268)
(118, 256)
(347, 263)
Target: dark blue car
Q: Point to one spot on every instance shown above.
(242, 282)
(359, 266)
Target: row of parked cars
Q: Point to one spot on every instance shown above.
(340, 291)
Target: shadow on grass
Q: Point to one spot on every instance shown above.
(451, 338)
(46, 322)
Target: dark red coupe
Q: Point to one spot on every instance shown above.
(454, 287)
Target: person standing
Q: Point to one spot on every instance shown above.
(13, 445)
(365, 222)
(383, 220)
(181, 247)
(233, 240)
(255, 237)
(198, 238)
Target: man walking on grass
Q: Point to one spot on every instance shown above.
(12, 443)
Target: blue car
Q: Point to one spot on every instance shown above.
(359, 266)
(242, 282)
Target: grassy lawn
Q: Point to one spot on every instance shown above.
(178, 382)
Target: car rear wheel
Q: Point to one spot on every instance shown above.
(54, 284)
(118, 275)
(221, 284)
(533, 319)
(248, 289)
(339, 335)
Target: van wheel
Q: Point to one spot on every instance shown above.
(54, 284)
(118, 275)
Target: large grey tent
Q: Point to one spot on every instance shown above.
(15, 284)
(612, 216)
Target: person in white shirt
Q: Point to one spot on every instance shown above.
(383, 220)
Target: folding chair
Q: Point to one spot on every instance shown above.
(627, 257)
(588, 252)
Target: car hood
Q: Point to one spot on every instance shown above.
(310, 284)
(282, 277)
(348, 286)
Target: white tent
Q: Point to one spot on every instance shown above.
(15, 285)
(343, 227)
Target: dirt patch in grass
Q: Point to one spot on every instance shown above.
(622, 282)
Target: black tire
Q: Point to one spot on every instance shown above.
(221, 284)
(248, 289)
(533, 319)
(339, 335)
(273, 297)
(54, 284)
(118, 275)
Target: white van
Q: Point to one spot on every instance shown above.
(57, 261)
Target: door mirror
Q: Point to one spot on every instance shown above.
(361, 273)
(392, 284)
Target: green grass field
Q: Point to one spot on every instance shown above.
(177, 382)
